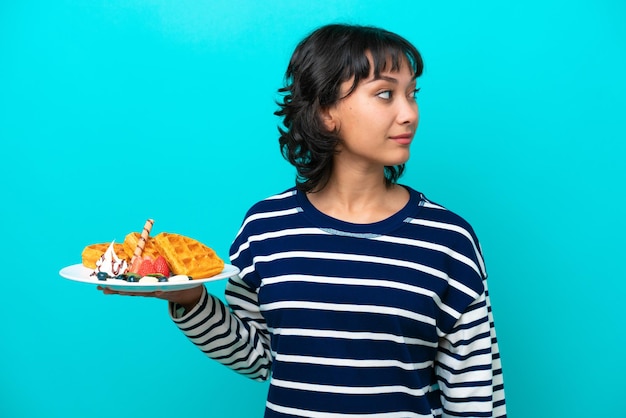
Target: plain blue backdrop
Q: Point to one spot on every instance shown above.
(112, 112)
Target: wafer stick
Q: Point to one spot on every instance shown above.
(142, 240)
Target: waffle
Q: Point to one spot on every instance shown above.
(92, 253)
(187, 256)
(130, 242)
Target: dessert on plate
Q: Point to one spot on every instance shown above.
(165, 257)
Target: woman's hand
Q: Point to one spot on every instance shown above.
(187, 298)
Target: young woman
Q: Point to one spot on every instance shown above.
(358, 296)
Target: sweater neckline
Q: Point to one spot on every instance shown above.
(338, 226)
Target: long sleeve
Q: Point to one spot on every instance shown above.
(468, 365)
(235, 335)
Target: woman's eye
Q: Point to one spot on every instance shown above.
(414, 93)
(385, 94)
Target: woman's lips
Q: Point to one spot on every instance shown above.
(404, 139)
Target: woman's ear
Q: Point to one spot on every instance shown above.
(328, 118)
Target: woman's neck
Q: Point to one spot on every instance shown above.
(359, 198)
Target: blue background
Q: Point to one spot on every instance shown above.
(112, 112)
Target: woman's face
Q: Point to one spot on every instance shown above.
(377, 121)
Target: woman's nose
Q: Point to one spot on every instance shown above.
(408, 112)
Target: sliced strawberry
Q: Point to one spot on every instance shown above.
(146, 267)
(161, 267)
(134, 268)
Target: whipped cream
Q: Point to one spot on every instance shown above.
(179, 278)
(110, 263)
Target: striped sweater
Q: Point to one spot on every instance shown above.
(383, 320)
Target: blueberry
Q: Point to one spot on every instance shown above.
(132, 278)
(162, 279)
(102, 275)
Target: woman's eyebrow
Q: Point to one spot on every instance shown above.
(384, 78)
(389, 79)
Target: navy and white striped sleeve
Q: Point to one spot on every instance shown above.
(468, 364)
(234, 335)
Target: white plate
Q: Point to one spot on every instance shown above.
(80, 273)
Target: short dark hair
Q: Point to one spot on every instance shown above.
(319, 65)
